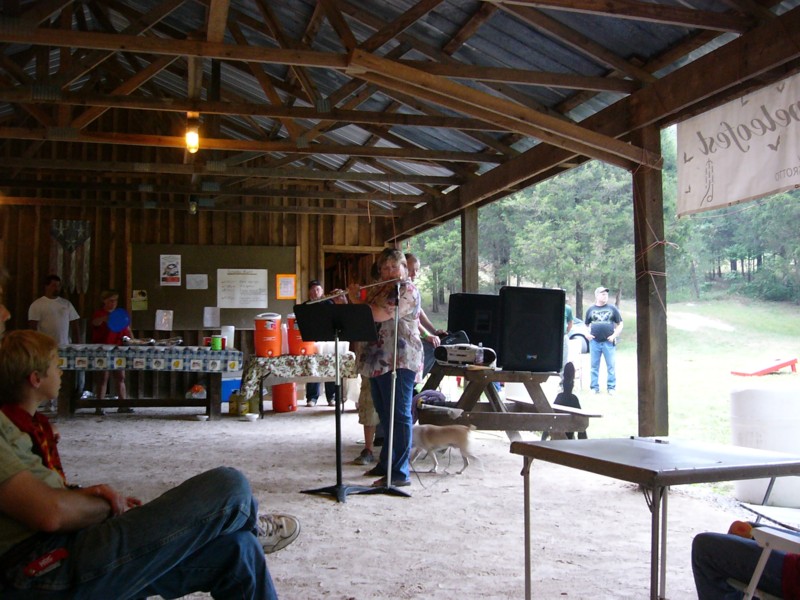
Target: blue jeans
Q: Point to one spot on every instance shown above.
(382, 397)
(609, 352)
(199, 536)
(312, 390)
(717, 557)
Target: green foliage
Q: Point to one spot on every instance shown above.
(439, 253)
(575, 231)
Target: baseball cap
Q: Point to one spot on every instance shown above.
(600, 290)
(314, 282)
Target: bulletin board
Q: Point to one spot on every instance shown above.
(240, 268)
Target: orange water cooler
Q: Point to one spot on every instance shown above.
(296, 344)
(267, 335)
(284, 397)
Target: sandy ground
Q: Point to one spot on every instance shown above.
(457, 536)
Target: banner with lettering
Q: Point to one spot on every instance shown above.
(742, 150)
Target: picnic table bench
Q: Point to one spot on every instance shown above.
(511, 416)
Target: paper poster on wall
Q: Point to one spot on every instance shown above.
(170, 269)
(139, 300)
(196, 281)
(285, 287)
(210, 316)
(163, 320)
(242, 288)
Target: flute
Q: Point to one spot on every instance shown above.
(361, 287)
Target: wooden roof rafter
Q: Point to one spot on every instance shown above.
(437, 86)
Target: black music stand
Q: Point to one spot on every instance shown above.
(325, 322)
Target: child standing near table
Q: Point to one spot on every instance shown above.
(102, 334)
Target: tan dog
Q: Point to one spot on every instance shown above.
(430, 438)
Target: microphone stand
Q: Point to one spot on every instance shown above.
(389, 489)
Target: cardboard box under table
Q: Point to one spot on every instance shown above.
(155, 375)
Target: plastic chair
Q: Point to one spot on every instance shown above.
(769, 539)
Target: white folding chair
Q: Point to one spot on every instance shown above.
(769, 539)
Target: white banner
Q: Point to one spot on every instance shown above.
(742, 150)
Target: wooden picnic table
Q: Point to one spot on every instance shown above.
(511, 416)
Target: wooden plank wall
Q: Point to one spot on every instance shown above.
(25, 244)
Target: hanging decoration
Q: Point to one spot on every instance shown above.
(69, 253)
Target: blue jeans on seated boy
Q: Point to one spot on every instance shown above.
(199, 536)
(717, 557)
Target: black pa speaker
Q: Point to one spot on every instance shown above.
(477, 315)
(531, 329)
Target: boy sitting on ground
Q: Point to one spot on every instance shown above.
(94, 542)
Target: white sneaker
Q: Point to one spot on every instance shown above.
(276, 531)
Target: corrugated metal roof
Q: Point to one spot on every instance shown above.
(565, 40)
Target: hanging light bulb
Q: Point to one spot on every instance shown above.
(192, 132)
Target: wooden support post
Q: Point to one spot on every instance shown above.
(651, 291)
(469, 250)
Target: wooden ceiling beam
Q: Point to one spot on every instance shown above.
(512, 116)
(16, 32)
(202, 189)
(389, 31)
(779, 44)
(310, 58)
(645, 11)
(257, 71)
(476, 20)
(164, 141)
(127, 87)
(220, 169)
(306, 83)
(86, 63)
(373, 211)
(40, 12)
(38, 95)
(524, 77)
(592, 50)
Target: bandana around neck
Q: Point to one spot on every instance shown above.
(41, 432)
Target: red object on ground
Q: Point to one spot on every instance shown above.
(773, 368)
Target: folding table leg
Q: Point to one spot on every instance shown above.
(526, 468)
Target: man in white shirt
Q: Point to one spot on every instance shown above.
(53, 315)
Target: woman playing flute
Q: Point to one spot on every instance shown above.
(376, 360)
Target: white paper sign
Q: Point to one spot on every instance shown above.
(197, 281)
(242, 288)
(210, 316)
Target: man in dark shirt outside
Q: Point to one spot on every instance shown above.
(605, 324)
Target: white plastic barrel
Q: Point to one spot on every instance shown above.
(767, 416)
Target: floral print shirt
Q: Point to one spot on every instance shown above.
(377, 358)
